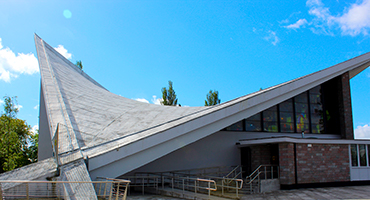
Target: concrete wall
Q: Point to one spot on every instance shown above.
(218, 149)
(314, 163)
(45, 148)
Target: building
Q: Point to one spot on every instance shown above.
(304, 126)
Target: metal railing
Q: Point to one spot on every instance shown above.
(169, 180)
(261, 172)
(227, 182)
(112, 189)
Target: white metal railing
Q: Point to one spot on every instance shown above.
(112, 189)
(262, 172)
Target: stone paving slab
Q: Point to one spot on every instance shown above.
(350, 192)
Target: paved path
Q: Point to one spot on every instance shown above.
(350, 192)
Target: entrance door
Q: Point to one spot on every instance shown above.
(245, 155)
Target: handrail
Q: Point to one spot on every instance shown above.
(254, 178)
(232, 171)
(109, 187)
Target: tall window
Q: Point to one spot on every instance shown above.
(301, 112)
(317, 112)
(286, 116)
(354, 155)
(270, 119)
(362, 151)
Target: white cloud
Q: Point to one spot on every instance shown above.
(354, 21)
(297, 25)
(1, 101)
(142, 100)
(272, 37)
(36, 107)
(156, 100)
(12, 65)
(63, 51)
(362, 132)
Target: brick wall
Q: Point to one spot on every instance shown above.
(317, 164)
(286, 163)
(260, 155)
(322, 163)
(345, 108)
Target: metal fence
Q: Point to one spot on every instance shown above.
(104, 189)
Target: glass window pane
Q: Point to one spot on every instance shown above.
(287, 127)
(253, 123)
(286, 106)
(256, 117)
(316, 90)
(236, 127)
(362, 151)
(302, 98)
(317, 128)
(270, 120)
(354, 155)
(270, 126)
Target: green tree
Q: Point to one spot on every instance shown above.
(212, 98)
(79, 64)
(169, 96)
(17, 143)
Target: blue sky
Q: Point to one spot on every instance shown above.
(134, 47)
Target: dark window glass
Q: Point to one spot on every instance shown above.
(286, 116)
(238, 126)
(362, 151)
(354, 155)
(270, 123)
(301, 112)
(253, 123)
(302, 98)
(316, 109)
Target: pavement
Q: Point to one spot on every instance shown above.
(349, 192)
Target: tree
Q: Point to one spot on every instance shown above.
(17, 144)
(212, 98)
(169, 96)
(79, 64)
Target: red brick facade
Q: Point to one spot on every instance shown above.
(316, 164)
(260, 155)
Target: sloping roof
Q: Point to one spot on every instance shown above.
(95, 121)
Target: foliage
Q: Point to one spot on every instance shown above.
(169, 95)
(212, 98)
(18, 147)
(79, 64)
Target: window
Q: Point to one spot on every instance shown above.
(301, 112)
(362, 151)
(316, 109)
(270, 119)
(354, 155)
(253, 123)
(286, 116)
(238, 126)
